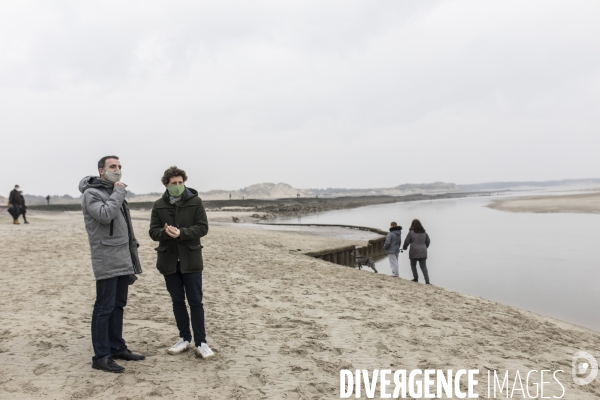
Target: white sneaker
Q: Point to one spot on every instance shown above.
(204, 351)
(179, 347)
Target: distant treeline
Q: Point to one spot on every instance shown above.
(439, 187)
(288, 206)
(31, 199)
(508, 185)
(404, 187)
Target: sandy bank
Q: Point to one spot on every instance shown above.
(576, 203)
(282, 324)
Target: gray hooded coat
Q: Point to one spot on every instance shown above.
(108, 224)
(393, 241)
(419, 242)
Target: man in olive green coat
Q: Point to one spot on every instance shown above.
(178, 222)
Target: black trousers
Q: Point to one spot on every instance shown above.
(423, 265)
(107, 317)
(181, 286)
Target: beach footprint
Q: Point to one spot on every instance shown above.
(40, 369)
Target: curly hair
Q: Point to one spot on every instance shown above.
(172, 172)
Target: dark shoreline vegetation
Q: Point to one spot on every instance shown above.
(286, 207)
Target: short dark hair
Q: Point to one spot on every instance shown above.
(171, 172)
(102, 162)
(417, 227)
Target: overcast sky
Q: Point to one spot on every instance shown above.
(312, 93)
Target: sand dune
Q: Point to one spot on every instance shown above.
(574, 203)
(282, 324)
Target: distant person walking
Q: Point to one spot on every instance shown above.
(14, 202)
(419, 241)
(177, 222)
(48, 199)
(392, 244)
(23, 207)
(115, 261)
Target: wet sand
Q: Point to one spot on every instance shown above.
(575, 203)
(282, 324)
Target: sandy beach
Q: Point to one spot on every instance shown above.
(574, 203)
(282, 324)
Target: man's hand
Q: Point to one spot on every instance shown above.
(120, 184)
(172, 231)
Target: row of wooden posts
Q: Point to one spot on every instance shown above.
(345, 255)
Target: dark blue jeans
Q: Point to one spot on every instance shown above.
(181, 286)
(107, 318)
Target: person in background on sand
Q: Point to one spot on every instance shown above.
(177, 222)
(48, 199)
(14, 201)
(23, 207)
(392, 244)
(115, 261)
(419, 241)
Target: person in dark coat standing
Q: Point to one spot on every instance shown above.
(392, 244)
(419, 241)
(177, 222)
(23, 207)
(48, 199)
(14, 201)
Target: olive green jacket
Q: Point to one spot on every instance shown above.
(189, 216)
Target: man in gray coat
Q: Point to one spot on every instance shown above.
(392, 247)
(115, 261)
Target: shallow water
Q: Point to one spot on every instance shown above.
(546, 263)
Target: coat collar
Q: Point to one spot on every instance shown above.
(189, 193)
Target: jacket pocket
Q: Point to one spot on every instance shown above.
(114, 241)
(114, 253)
(166, 261)
(190, 256)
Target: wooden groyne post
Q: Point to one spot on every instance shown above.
(345, 255)
(340, 255)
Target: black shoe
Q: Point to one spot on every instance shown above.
(128, 355)
(107, 364)
(415, 280)
(427, 283)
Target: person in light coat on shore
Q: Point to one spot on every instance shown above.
(392, 244)
(115, 261)
(418, 240)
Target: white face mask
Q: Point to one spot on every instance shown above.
(112, 176)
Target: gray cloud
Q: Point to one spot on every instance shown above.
(315, 94)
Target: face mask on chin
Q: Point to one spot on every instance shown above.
(112, 176)
(176, 190)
